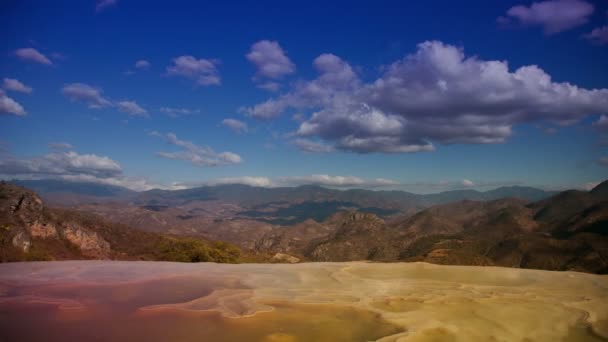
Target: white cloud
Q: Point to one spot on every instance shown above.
(16, 85)
(72, 166)
(322, 180)
(32, 55)
(435, 95)
(598, 35)
(265, 110)
(132, 183)
(80, 92)
(131, 108)
(203, 71)
(271, 63)
(553, 15)
(10, 106)
(93, 97)
(334, 181)
(345, 182)
(197, 155)
(103, 4)
(62, 163)
(177, 112)
(229, 158)
(307, 145)
(467, 183)
(246, 180)
(236, 126)
(142, 64)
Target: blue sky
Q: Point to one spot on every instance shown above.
(422, 96)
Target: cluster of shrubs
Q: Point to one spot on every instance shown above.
(193, 250)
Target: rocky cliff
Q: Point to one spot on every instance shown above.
(31, 231)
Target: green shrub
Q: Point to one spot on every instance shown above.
(193, 250)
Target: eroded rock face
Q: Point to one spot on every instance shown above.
(26, 223)
(22, 241)
(43, 230)
(282, 257)
(28, 206)
(91, 244)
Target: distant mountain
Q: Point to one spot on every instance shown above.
(568, 231)
(68, 193)
(252, 196)
(31, 231)
(81, 188)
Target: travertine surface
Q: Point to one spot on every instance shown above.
(354, 301)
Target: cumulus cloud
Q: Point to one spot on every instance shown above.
(307, 145)
(142, 64)
(197, 155)
(177, 112)
(15, 85)
(236, 126)
(131, 108)
(598, 36)
(103, 4)
(32, 55)
(72, 166)
(80, 92)
(93, 97)
(271, 63)
(203, 71)
(467, 183)
(435, 95)
(10, 106)
(267, 110)
(553, 16)
(64, 163)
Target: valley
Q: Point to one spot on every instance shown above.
(528, 229)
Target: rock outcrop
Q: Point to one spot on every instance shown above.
(30, 231)
(24, 213)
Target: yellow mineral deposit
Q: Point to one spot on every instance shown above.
(354, 301)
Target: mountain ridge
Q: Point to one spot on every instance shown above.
(501, 232)
(69, 193)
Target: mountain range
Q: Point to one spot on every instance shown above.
(68, 193)
(512, 226)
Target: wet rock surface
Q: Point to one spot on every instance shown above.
(352, 301)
